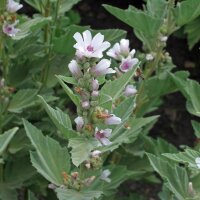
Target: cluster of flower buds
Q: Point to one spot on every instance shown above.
(73, 181)
(95, 160)
(9, 20)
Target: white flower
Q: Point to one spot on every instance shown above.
(149, 56)
(9, 29)
(90, 47)
(121, 50)
(128, 63)
(197, 161)
(103, 136)
(75, 69)
(105, 174)
(13, 6)
(79, 123)
(130, 90)
(102, 68)
(113, 120)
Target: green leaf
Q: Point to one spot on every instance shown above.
(29, 26)
(196, 127)
(31, 196)
(138, 20)
(60, 119)
(64, 194)
(22, 99)
(186, 11)
(191, 91)
(5, 139)
(157, 8)
(66, 5)
(172, 174)
(81, 148)
(35, 4)
(114, 89)
(188, 157)
(69, 92)
(192, 30)
(50, 159)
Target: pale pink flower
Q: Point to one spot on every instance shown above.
(121, 50)
(79, 123)
(130, 90)
(75, 69)
(9, 29)
(113, 120)
(105, 175)
(103, 136)
(90, 47)
(102, 68)
(13, 6)
(128, 63)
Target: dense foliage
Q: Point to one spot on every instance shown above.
(78, 132)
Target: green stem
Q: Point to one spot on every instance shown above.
(1, 173)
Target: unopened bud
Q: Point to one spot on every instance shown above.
(85, 104)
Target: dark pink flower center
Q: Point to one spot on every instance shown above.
(100, 135)
(90, 48)
(8, 29)
(125, 65)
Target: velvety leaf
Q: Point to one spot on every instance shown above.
(186, 11)
(22, 99)
(64, 194)
(138, 20)
(81, 148)
(196, 127)
(192, 30)
(172, 174)
(66, 5)
(188, 157)
(31, 196)
(27, 27)
(5, 139)
(60, 119)
(69, 92)
(50, 159)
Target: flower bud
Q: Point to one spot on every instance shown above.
(104, 175)
(75, 69)
(149, 57)
(130, 90)
(52, 186)
(95, 153)
(95, 93)
(113, 120)
(79, 123)
(85, 104)
(95, 84)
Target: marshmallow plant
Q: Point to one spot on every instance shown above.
(103, 122)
